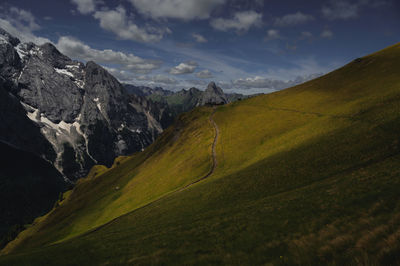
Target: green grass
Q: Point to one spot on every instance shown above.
(179, 102)
(307, 175)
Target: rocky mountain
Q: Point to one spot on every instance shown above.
(213, 95)
(146, 91)
(74, 115)
(185, 100)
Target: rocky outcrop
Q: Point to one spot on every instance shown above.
(213, 95)
(77, 114)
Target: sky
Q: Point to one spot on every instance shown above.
(244, 46)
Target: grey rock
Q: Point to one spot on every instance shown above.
(17, 129)
(9, 38)
(213, 95)
(78, 115)
(10, 63)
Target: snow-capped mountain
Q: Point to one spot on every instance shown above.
(79, 114)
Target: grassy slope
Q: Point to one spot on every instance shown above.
(306, 175)
(107, 194)
(179, 102)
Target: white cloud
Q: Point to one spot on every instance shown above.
(272, 35)
(158, 79)
(205, 74)
(340, 9)
(199, 38)
(24, 17)
(189, 83)
(117, 22)
(77, 49)
(184, 68)
(259, 82)
(179, 9)
(305, 35)
(85, 6)
(21, 24)
(293, 19)
(327, 34)
(241, 21)
(121, 75)
(345, 9)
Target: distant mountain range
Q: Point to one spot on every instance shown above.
(185, 100)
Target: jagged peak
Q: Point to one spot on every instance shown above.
(91, 64)
(212, 87)
(10, 38)
(214, 95)
(212, 84)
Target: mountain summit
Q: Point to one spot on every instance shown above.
(213, 95)
(83, 113)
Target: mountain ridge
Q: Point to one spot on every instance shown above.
(82, 110)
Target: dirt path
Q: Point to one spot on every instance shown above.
(210, 172)
(213, 152)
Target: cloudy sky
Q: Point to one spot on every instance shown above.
(245, 46)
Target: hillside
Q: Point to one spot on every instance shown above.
(25, 192)
(307, 175)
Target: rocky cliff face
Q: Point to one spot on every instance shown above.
(76, 115)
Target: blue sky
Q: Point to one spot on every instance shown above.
(245, 46)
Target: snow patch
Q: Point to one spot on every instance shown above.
(36, 51)
(72, 66)
(77, 126)
(22, 53)
(62, 128)
(33, 115)
(121, 127)
(64, 72)
(59, 133)
(96, 100)
(79, 83)
(20, 74)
